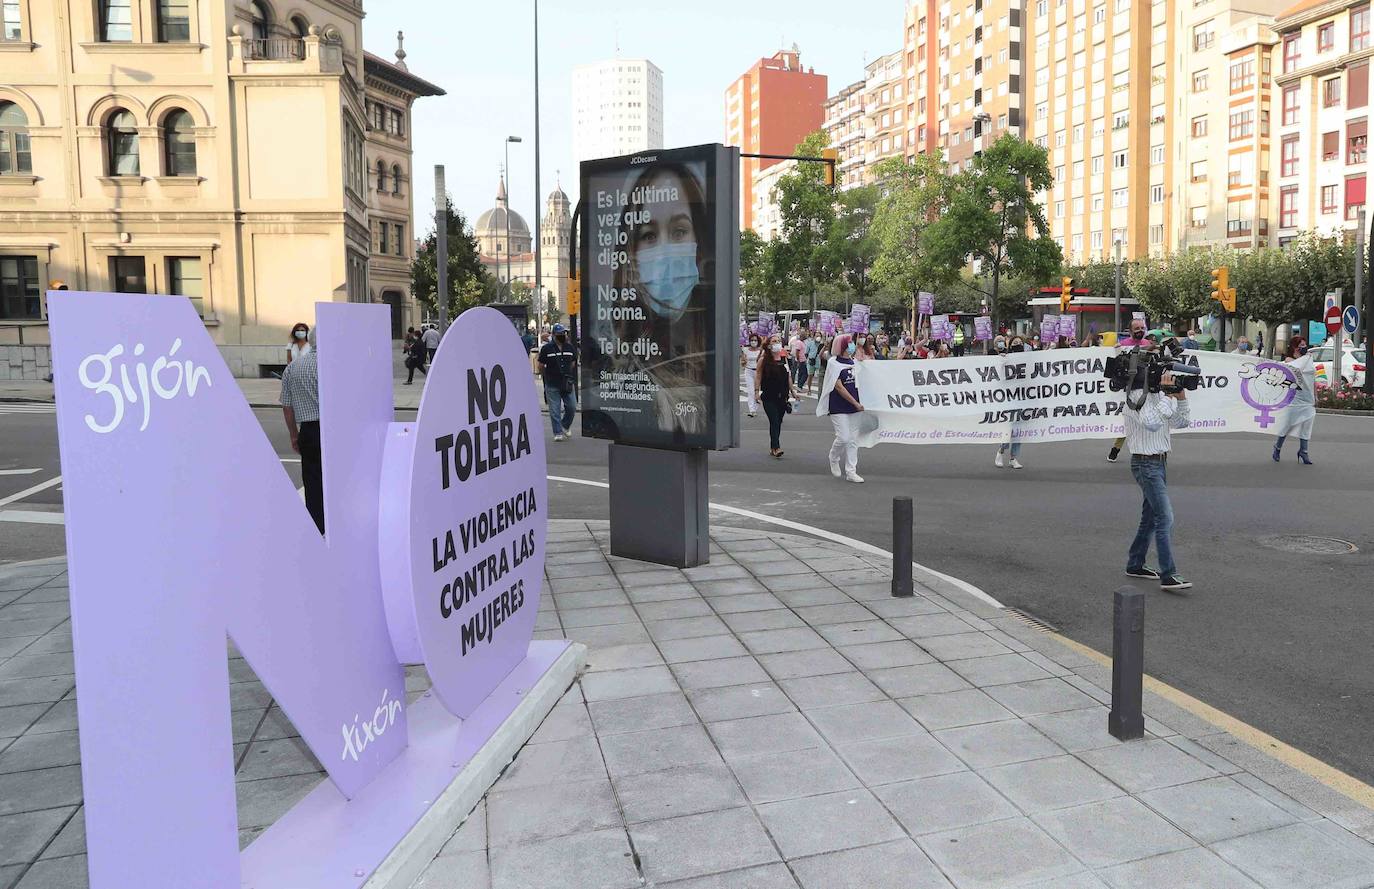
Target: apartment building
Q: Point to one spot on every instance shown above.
(844, 126)
(767, 216)
(768, 110)
(920, 48)
(1098, 98)
(224, 150)
(1321, 88)
(617, 108)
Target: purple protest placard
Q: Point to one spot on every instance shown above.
(982, 327)
(940, 328)
(1049, 328)
(1068, 326)
(925, 303)
(829, 323)
(766, 326)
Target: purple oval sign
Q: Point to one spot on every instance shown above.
(477, 510)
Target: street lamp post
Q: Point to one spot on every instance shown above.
(510, 284)
(538, 201)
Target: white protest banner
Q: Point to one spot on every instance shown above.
(1056, 395)
(1137, 316)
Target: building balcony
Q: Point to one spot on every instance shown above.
(274, 49)
(315, 53)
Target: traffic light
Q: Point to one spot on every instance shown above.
(1222, 291)
(831, 155)
(1065, 293)
(574, 295)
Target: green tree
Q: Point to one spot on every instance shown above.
(850, 247)
(1098, 277)
(807, 207)
(468, 282)
(994, 218)
(1148, 280)
(914, 194)
(1266, 289)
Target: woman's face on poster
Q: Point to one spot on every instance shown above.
(665, 251)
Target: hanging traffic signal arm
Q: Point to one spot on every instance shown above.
(829, 157)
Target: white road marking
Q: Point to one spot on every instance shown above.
(19, 471)
(14, 498)
(24, 407)
(869, 548)
(30, 517)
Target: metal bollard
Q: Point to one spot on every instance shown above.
(1126, 722)
(901, 547)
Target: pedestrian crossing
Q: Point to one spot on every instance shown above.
(27, 407)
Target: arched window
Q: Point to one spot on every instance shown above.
(178, 144)
(396, 179)
(15, 155)
(121, 144)
(262, 21)
(381, 176)
(300, 26)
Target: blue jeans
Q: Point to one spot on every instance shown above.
(1156, 516)
(1013, 446)
(562, 408)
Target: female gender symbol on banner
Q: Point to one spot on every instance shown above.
(1267, 387)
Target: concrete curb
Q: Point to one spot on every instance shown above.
(426, 839)
(1339, 413)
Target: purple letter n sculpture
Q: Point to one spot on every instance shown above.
(183, 529)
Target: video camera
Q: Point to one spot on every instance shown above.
(1138, 368)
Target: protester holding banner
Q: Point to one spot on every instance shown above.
(839, 398)
(749, 361)
(1301, 414)
(776, 392)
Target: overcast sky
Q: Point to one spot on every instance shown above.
(482, 55)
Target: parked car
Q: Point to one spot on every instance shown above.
(1352, 363)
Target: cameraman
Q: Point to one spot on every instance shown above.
(1147, 434)
(1136, 338)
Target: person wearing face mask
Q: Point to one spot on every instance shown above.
(776, 392)
(558, 364)
(1242, 346)
(299, 342)
(664, 288)
(861, 350)
(813, 366)
(839, 398)
(749, 362)
(1301, 414)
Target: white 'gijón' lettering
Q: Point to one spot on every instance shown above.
(165, 379)
(362, 732)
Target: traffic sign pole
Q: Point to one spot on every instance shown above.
(1333, 330)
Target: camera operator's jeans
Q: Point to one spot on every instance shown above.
(1156, 516)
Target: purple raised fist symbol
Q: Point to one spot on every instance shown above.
(1268, 387)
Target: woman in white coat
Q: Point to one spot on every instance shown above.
(749, 360)
(1301, 413)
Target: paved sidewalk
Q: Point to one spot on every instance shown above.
(771, 720)
(775, 720)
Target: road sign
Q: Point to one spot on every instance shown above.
(1351, 319)
(1333, 319)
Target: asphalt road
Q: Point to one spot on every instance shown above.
(1276, 638)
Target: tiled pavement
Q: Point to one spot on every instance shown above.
(774, 719)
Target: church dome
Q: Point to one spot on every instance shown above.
(492, 223)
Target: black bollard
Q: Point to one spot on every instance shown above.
(901, 547)
(1126, 722)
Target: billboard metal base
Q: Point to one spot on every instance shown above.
(385, 836)
(659, 505)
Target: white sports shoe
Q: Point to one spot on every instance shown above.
(835, 469)
(560, 437)
(1016, 464)
(997, 461)
(854, 477)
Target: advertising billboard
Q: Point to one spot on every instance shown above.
(660, 260)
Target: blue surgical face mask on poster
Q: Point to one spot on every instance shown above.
(669, 274)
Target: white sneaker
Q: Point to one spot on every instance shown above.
(1016, 464)
(560, 437)
(854, 477)
(835, 469)
(997, 461)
